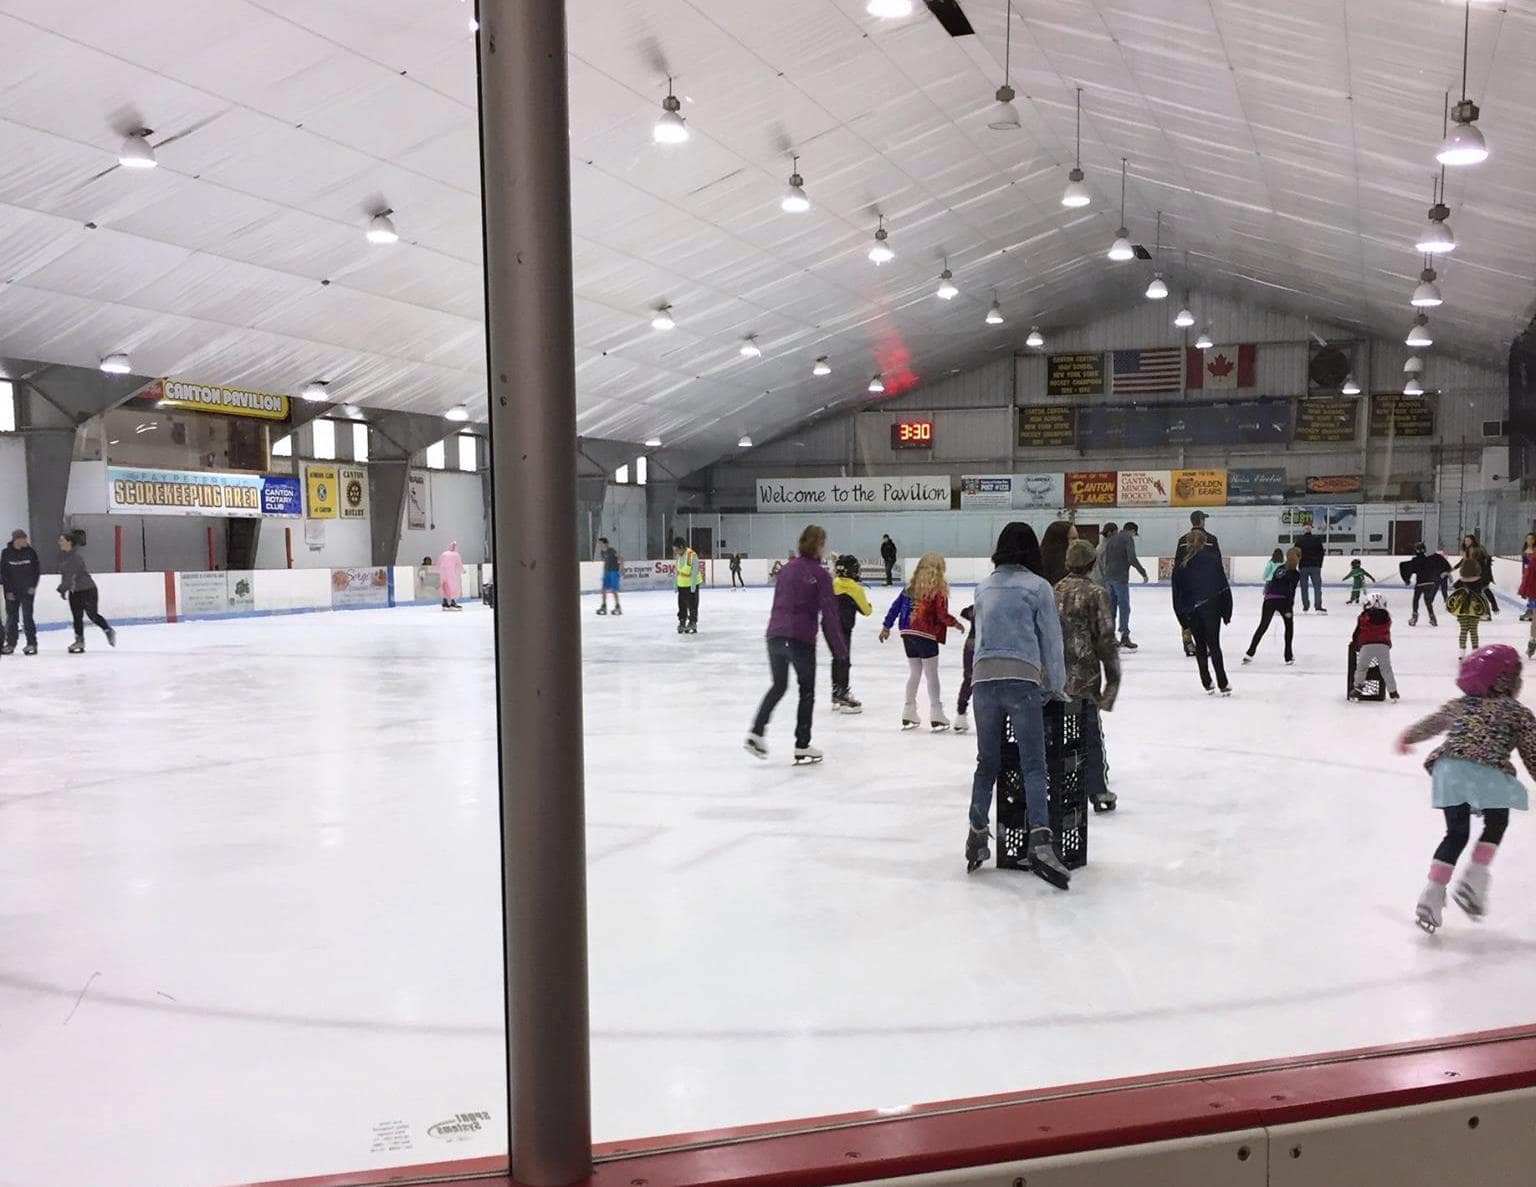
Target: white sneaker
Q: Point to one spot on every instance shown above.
(962, 723)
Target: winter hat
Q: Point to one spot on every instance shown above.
(1080, 555)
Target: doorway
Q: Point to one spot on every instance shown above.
(1405, 535)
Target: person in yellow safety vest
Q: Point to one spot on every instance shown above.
(689, 573)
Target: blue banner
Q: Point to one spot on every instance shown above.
(281, 496)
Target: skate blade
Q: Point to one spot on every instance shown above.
(806, 761)
(939, 727)
(972, 864)
(907, 726)
(1467, 905)
(1109, 806)
(1426, 923)
(755, 751)
(1046, 874)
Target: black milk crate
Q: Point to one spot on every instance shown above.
(1375, 688)
(1067, 798)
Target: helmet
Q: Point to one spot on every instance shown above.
(847, 566)
(1375, 601)
(1495, 668)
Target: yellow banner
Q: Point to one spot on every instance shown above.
(229, 401)
(320, 495)
(1199, 488)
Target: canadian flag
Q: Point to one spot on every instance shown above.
(1221, 367)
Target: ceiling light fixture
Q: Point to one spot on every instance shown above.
(1204, 341)
(889, 9)
(670, 127)
(1350, 388)
(1035, 339)
(1184, 318)
(822, 367)
(749, 348)
(1157, 289)
(353, 411)
(1464, 143)
(946, 290)
(744, 443)
(381, 228)
(795, 201)
(1121, 248)
(1413, 387)
(314, 390)
(116, 364)
(1418, 333)
(877, 384)
(1076, 194)
(653, 442)
(995, 314)
(881, 252)
(459, 412)
(1427, 295)
(1437, 237)
(1005, 116)
(136, 152)
(662, 318)
(1413, 365)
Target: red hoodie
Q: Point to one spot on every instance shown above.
(931, 618)
(1374, 626)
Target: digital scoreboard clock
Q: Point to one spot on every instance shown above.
(912, 434)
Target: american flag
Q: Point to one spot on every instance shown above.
(1140, 372)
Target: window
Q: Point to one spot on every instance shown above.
(641, 465)
(437, 456)
(359, 443)
(621, 475)
(7, 407)
(469, 452)
(283, 447)
(325, 440)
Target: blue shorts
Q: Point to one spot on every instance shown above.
(610, 580)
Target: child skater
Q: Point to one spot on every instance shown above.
(1467, 604)
(1357, 577)
(1372, 642)
(1275, 563)
(852, 601)
(922, 613)
(968, 666)
(78, 588)
(1471, 773)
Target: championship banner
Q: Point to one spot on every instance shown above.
(1091, 488)
(1146, 488)
(228, 401)
(1199, 488)
(1321, 420)
(359, 587)
(1047, 426)
(1251, 487)
(1396, 415)
(1079, 374)
(135, 490)
(320, 492)
(352, 491)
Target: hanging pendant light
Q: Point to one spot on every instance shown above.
(670, 127)
(822, 367)
(314, 390)
(1463, 143)
(662, 318)
(744, 443)
(795, 201)
(749, 348)
(653, 442)
(1005, 116)
(1121, 248)
(459, 413)
(1157, 289)
(136, 152)
(889, 9)
(1427, 295)
(1418, 333)
(877, 384)
(1076, 194)
(1350, 388)
(1413, 387)
(881, 252)
(1204, 341)
(946, 290)
(1035, 339)
(995, 313)
(1413, 365)
(1184, 318)
(1437, 237)
(116, 364)
(381, 228)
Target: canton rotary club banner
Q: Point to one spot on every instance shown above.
(1145, 488)
(320, 491)
(1091, 488)
(1199, 488)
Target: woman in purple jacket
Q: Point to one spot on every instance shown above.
(802, 591)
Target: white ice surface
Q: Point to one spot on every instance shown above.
(249, 905)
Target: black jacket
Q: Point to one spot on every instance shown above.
(888, 551)
(1424, 570)
(1211, 545)
(1282, 588)
(20, 570)
(1311, 550)
(1201, 580)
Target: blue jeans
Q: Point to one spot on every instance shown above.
(993, 704)
(1120, 604)
(1314, 576)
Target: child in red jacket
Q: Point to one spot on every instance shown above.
(1372, 642)
(924, 617)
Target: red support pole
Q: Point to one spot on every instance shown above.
(288, 545)
(117, 548)
(170, 596)
(211, 565)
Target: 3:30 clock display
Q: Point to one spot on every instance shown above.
(912, 434)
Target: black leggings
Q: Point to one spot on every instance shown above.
(82, 605)
(1427, 593)
(1458, 828)
(782, 655)
(1205, 625)
(1271, 608)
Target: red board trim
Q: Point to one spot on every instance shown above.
(986, 1130)
(170, 596)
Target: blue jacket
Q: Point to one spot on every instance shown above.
(1200, 580)
(1016, 619)
(900, 613)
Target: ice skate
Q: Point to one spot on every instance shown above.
(962, 723)
(1431, 909)
(1210, 690)
(1530, 649)
(602, 611)
(1225, 690)
(1320, 610)
(1526, 617)
(1392, 696)
(941, 726)
(692, 630)
(681, 629)
(1248, 659)
(850, 705)
(1413, 619)
(1043, 860)
(8, 650)
(1126, 644)
(807, 755)
(111, 637)
(29, 649)
(976, 849)
(1290, 661)
(756, 745)
(1354, 694)
(618, 611)
(77, 647)
(1103, 801)
(1471, 892)
(907, 724)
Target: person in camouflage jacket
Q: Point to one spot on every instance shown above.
(1093, 663)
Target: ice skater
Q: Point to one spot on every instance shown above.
(1196, 524)
(852, 601)
(736, 578)
(613, 567)
(1473, 550)
(921, 613)
(1357, 577)
(1425, 571)
(1311, 570)
(1471, 773)
(1092, 664)
(1202, 602)
(1019, 666)
(802, 594)
(78, 588)
(1280, 585)
(450, 572)
(1372, 644)
(689, 572)
(888, 558)
(1467, 604)
(1527, 590)
(20, 571)
(1116, 561)
(968, 668)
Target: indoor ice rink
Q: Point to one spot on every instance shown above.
(360, 360)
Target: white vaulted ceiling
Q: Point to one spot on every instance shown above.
(1290, 145)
